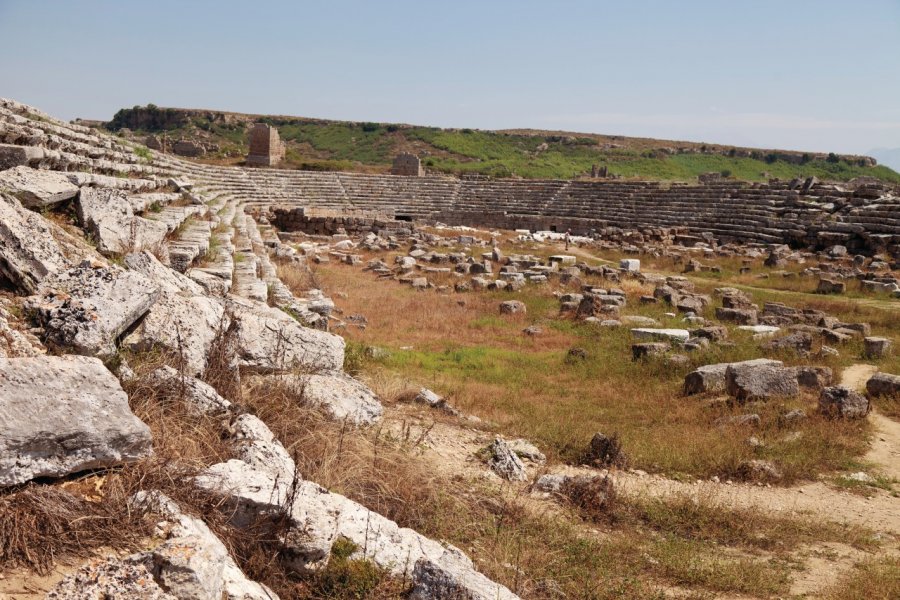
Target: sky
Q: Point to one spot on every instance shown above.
(817, 75)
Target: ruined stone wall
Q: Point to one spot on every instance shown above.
(408, 165)
(266, 147)
(325, 222)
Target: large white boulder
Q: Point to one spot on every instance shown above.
(61, 415)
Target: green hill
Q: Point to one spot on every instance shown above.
(317, 144)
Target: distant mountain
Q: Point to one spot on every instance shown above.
(889, 157)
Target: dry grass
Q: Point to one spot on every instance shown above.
(877, 579)
(297, 277)
(533, 548)
(523, 385)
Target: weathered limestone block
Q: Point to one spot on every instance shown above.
(36, 189)
(257, 446)
(666, 335)
(743, 316)
(108, 215)
(184, 320)
(512, 307)
(436, 580)
(61, 415)
(201, 397)
(747, 382)
(14, 156)
(840, 401)
(711, 378)
(504, 462)
(883, 384)
(316, 518)
(338, 394)
(85, 309)
(830, 286)
(192, 563)
(877, 347)
(268, 340)
(646, 349)
(112, 578)
(15, 343)
(28, 251)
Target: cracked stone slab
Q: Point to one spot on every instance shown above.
(37, 189)
(85, 309)
(108, 215)
(28, 251)
(269, 340)
(64, 414)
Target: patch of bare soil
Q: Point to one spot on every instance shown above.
(885, 450)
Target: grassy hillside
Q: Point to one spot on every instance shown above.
(340, 145)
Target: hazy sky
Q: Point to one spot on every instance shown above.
(795, 74)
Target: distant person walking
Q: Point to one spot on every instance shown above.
(568, 238)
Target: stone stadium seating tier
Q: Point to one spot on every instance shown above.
(865, 217)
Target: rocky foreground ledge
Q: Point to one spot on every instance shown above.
(160, 260)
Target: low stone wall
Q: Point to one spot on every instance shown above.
(332, 222)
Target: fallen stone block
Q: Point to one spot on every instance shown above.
(512, 307)
(673, 335)
(85, 309)
(199, 396)
(15, 156)
(338, 394)
(269, 340)
(28, 251)
(877, 347)
(883, 384)
(37, 189)
(311, 519)
(747, 382)
(711, 378)
(742, 316)
(504, 462)
(108, 216)
(61, 415)
(646, 349)
(840, 401)
(184, 326)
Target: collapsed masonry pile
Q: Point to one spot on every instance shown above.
(163, 259)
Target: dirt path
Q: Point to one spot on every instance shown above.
(451, 449)
(885, 450)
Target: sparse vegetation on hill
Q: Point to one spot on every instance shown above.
(317, 144)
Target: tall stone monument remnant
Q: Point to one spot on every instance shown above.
(407, 164)
(266, 147)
